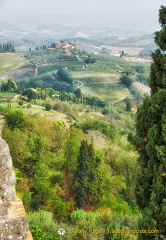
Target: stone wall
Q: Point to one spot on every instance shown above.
(13, 220)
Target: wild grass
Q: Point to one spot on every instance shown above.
(81, 215)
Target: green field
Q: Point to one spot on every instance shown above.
(102, 85)
(9, 61)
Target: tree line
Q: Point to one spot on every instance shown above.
(6, 47)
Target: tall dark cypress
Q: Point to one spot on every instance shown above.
(151, 135)
(88, 177)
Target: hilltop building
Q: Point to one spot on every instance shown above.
(65, 46)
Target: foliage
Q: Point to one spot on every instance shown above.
(9, 86)
(63, 87)
(151, 140)
(125, 80)
(128, 104)
(21, 103)
(43, 220)
(2, 110)
(88, 177)
(38, 234)
(139, 69)
(6, 47)
(94, 101)
(142, 78)
(64, 76)
(78, 93)
(50, 154)
(81, 215)
(62, 209)
(121, 222)
(48, 106)
(90, 60)
(105, 111)
(106, 128)
(15, 119)
(30, 93)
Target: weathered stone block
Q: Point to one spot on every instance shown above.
(13, 220)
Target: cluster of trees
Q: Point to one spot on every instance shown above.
(142, 78)
(9, 86)
(43, 47)
(94, 101)
(6, 47)
(32, 94)
(59, 171)
(64, 76)
(126, 80)
(75, 97)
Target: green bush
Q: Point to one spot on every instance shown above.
(122, 222)
(29, 106)
(48, 106)
(2, 110)
(43, 220)
(38, 234)
(80, 215)
(105, 111)
(35, 205)
(21, 103)
(15, 119)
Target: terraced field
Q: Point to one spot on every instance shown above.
(99, 84)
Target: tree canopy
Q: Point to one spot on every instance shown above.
(9, 86)
(151, 132)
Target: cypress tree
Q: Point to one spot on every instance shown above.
(88, 178)
(151, 139)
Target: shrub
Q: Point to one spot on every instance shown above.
(35, 205)
(48, 106)
(29, 105)
(43, 220)
(21, 103)
(38, 234)
(15, 119)
(105, 111)
(2, 110)
(81, 215)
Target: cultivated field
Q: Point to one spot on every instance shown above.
(102, 85)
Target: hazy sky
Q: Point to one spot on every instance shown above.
(17, 7)
(142, 14)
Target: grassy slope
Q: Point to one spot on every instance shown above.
(35, 109)
(9, 61)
